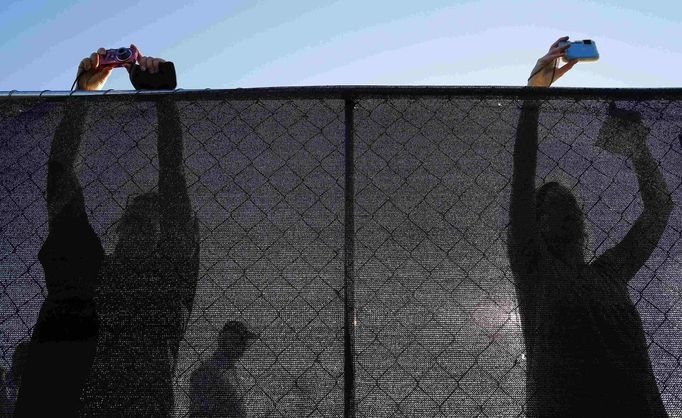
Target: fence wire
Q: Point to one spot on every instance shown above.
(436, 320)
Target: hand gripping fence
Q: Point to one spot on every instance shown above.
(353, 242)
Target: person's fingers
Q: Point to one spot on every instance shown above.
(94, 60)
(103, 73)
(101, 51)
(150, 64)
(561, 48)
(555, 44)
(141, 59)
(133, 46)
(84, 65)
(155, 65)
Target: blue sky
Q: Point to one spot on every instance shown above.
(240, 43)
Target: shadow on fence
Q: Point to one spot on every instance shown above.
(358, 236)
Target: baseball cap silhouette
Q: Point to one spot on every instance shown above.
(233, 332)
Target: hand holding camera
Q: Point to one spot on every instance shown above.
(545, 71)
(91, 74)
(145, 72)
(570, 52)
(584, 51)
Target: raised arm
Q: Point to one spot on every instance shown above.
(177, 220)
(179, 229)
(63, 341)
(628, 137)
(523, 232)
(64, 193)
(523, 225)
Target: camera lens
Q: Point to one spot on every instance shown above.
(587, 41)
(123, 54)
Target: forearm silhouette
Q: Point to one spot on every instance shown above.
(522, 212)
(625, 259)
(178, 225)
(64, 338)
(523, 242)
(523, 245)
(64, 192)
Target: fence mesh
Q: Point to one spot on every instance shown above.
(436, 319)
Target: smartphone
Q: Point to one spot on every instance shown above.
(585, 50)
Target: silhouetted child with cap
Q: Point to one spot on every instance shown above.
(214, 386)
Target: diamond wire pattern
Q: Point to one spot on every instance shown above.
(266, 181)
(274, 258)
(438, 332)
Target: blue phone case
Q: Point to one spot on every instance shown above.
(585, 50)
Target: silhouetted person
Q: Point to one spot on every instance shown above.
(133, 305)
(64, 337)
(147, 288)
(586, 351)
(214, 386)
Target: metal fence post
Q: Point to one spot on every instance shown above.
(349, 276)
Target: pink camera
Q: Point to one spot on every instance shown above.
(118, 57)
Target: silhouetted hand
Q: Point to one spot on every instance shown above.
(91, 75)
(625, 136)
(544, 72)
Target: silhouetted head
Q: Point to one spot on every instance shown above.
(234, 339)
(561, 221)
(138, 228)
(19, 360)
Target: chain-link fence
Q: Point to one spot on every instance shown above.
(427, 291)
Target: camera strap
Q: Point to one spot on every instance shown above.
(553, 73)
(78, 76)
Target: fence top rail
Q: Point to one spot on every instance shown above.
(356, 92)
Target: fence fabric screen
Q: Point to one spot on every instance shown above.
(329, 252)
